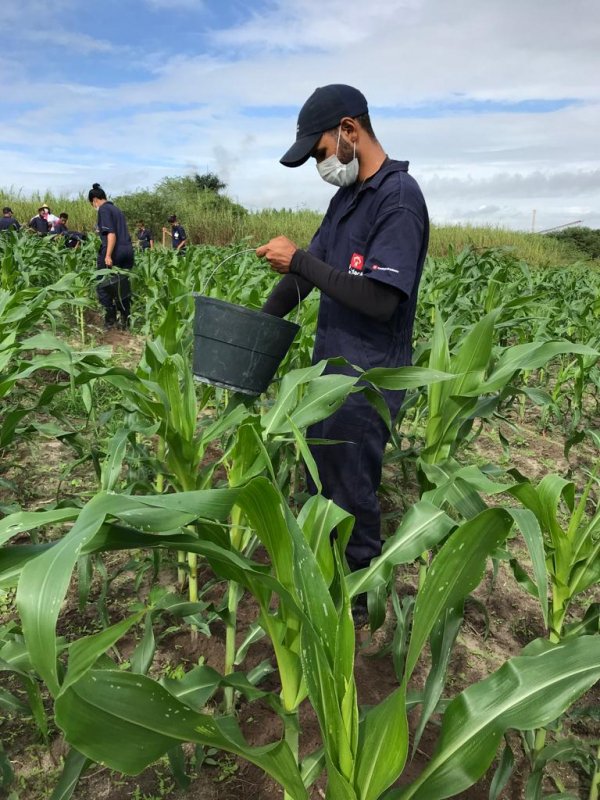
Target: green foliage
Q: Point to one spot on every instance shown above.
(210, 217)
(195, 199)
(209, 182)
(215, 476)
(586, 240)
(147, 206)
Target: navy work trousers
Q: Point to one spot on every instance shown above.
(351, 471)
(114, 294)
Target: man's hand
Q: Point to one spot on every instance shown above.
(108, 261)
(279, 253)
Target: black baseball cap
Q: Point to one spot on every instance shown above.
(7, 210)
(322, 111)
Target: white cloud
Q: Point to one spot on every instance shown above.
(71, 40)
(402, 53)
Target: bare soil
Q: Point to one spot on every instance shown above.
(514, 620)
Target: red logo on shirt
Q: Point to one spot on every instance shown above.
(357, 261)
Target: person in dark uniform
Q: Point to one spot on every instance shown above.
(62, 225)
(145, 237)
(7, 221)
(72, 239)
(178, 235)
(40, 223)
(116, 250)
(366, 259)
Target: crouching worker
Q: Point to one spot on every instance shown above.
(116, 250)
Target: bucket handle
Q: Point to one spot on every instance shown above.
(220, 264)
(239, 253)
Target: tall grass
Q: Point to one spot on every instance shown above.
(82, 216)
(535, 249)
(223, 225)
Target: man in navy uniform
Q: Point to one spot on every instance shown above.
(178, 235)
(62, 226)
(116, 250)
(39, 223)
(366, 259)
(7, 221)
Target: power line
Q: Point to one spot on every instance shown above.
(556, 227)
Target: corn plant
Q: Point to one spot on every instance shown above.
(362, 757)
(453, 405)
(563, 550)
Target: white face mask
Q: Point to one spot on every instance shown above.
(333, 171)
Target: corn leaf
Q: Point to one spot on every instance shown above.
(527, 692)
(422, 527)
(455, 571)
(128, 721)
(383, 745)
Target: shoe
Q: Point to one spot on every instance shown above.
(109, 324)
(124, 323)
(360, 611)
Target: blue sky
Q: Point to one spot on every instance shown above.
(495, 104)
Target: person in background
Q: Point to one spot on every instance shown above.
(39, 223)
(178, 235)
(366, 259)
(116, 250)
(145, 237)
(62, 225)
(52, 218)
(7, 221)
(72, 239)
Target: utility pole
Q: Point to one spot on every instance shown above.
(533, 221)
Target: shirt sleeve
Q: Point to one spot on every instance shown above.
(394, 248)
(182, 233)
(106, 222)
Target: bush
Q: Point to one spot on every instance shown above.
(587, 240)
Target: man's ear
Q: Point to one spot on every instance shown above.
(349, 127)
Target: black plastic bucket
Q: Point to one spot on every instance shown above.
(238, 348)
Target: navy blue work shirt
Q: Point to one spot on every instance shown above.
(9, 222)
(39, 225)
(144, 238)
(377, 230)
(112, 220)
(177, 235)
(59, 228)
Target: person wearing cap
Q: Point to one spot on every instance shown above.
(116, 250)
(39, 223)
(366, 259)
(7, 221)
(177, 233)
